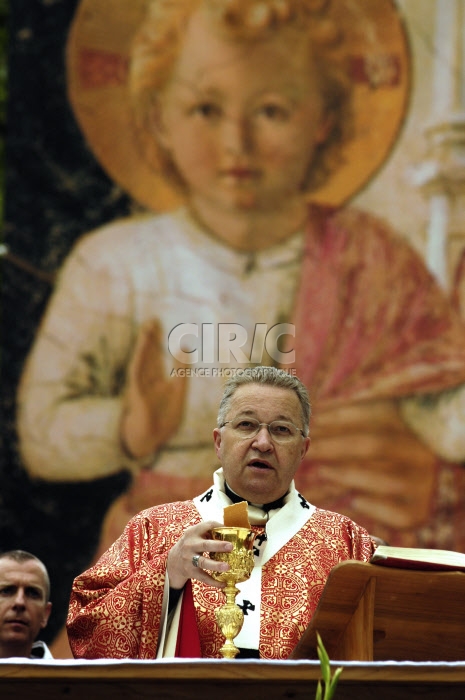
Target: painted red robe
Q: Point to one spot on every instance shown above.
(373, 327)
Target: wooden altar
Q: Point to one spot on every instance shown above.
(183, 679)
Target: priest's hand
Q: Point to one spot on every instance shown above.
(153, 403)
(187, 558)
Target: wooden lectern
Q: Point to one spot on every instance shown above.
(369, 612)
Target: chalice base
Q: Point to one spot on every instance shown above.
(229, 650)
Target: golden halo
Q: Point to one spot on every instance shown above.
(97, 70)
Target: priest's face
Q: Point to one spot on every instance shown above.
(258, 468)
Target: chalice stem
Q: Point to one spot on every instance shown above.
(230, 618)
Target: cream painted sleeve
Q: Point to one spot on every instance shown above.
(439, 420)
(69, 399)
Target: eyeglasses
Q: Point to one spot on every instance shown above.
(281, 431)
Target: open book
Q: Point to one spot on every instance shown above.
(417, 558)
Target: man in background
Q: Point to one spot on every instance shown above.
(24, 605)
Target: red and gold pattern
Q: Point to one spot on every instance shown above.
(115, 608)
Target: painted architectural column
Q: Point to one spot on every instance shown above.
(441, 176)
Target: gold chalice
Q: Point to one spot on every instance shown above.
(229, 616)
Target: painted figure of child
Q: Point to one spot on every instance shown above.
(245, 108)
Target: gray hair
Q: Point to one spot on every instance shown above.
(268, 376)
(21, 556)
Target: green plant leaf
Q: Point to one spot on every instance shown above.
(325, 667)
(337, 673)
(324, 660)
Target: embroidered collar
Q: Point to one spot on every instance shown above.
(265, 506)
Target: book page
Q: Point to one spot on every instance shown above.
(418, 558)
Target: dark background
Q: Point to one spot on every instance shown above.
(54, 192)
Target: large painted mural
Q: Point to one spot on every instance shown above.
(197, 187)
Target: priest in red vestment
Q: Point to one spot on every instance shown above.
(152, 594)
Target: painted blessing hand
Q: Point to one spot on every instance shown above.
(153, 404)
